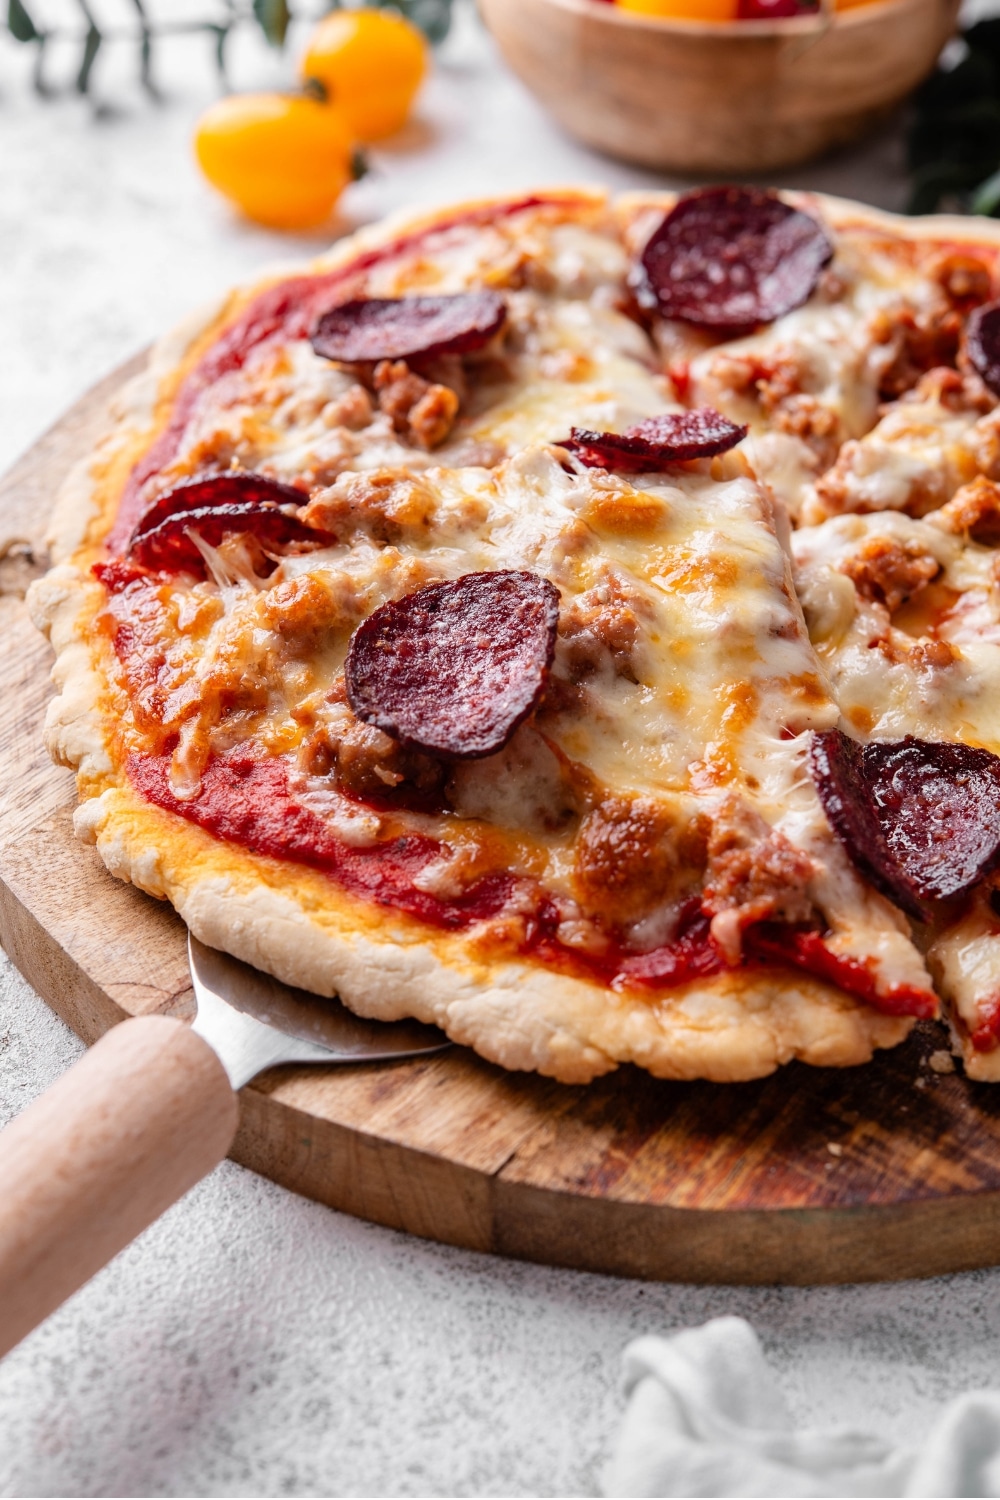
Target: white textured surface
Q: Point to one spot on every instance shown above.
(252, 1343)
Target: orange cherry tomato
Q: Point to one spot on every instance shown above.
(371, 64)
(683, 10)
(284, 159)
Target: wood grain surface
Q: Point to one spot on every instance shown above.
(874, 1173)
(707, 98)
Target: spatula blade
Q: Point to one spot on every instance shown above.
(306, 1017)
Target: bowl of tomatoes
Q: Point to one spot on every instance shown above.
(720, 86)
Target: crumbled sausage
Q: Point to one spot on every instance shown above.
(890, 571)
(952, 390)
(366, 763)
(974, 512)
(919, 341)
(626, 855)
(304, 608)
(353, 410)
(770, 380)
(929, 654)
(419, 411)
(754, 874)
(779, 384)
(964, 279)
(813, 423)
(600, 625)
(385, 504)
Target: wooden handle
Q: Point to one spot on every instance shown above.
(137, 1121)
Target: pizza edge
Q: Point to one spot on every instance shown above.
(734, 1026)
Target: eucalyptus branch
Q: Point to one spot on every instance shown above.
(272, 17)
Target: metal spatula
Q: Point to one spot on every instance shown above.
(148, 1112)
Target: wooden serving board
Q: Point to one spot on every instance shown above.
(873, 1173)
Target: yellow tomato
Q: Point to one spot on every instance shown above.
(371, 64)
(683, 10)
(283, 158)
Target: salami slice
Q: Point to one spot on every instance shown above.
(939, 807)
(920, 818)
(375, 328)
(836, 764)
(170, 547)
(982, 341)
(656, 442)
(454, 668)
(732, 257)
(211, 490)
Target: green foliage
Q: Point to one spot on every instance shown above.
(274, 18)
(20, 25)
(953, 149)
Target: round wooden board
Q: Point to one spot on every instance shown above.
(874, 1173)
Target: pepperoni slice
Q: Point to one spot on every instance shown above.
(169, 546)
(239, 488)
(732, 257)
(982, 342)
(374, 328)
(656, 442)
(920, 818)
(454, 668)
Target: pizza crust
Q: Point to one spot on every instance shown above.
(729, 1028)
(735, 1026)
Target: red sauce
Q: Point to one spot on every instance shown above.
(805, 949)
(245, 799)
(986, 1036)
(287, 310)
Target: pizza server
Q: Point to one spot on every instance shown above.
(148, 1112)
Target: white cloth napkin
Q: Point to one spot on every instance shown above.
(705, 1417)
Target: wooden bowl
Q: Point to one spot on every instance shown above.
(739, 96)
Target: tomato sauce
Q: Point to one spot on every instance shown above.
(986, 1036)
(245, 799)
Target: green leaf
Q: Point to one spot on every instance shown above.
(273, 16)
(221, 34)
(986, 198)
(20, 25)
(91, 47)
(39, 82)
(433, 17)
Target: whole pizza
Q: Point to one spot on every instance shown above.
(573, 622)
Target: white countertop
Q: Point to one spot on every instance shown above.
(251, 1342)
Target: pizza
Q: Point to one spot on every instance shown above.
(574, 622)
